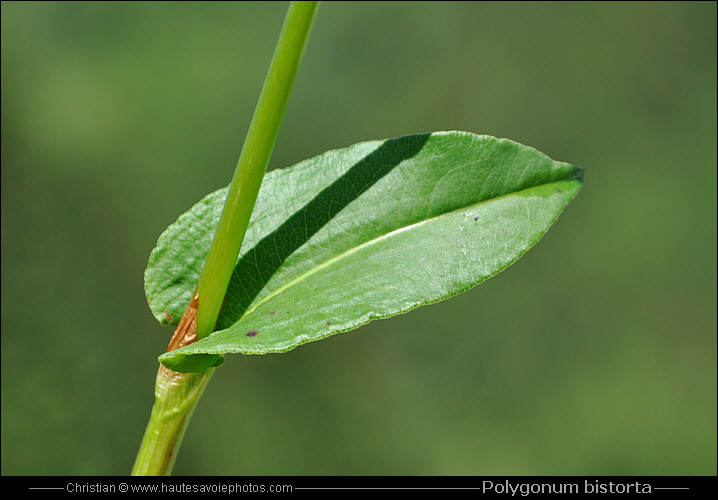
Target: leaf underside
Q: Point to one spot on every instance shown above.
(361, 233)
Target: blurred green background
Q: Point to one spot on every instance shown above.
(594, 354)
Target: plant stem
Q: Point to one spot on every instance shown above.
(177, 394)
(252, 164)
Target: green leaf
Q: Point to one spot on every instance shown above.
(361, 233)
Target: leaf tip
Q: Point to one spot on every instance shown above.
(578, 173)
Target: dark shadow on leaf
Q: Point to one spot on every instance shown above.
(261, 262)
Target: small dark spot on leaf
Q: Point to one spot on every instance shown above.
(329, 323)
(558, 190)
(168, 316)
(252, 333)
(476, 216)
(273, 313)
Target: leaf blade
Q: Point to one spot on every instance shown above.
(333, 255)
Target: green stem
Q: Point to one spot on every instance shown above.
(177, 394)
(252, 164)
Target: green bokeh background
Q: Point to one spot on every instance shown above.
(593, 354)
